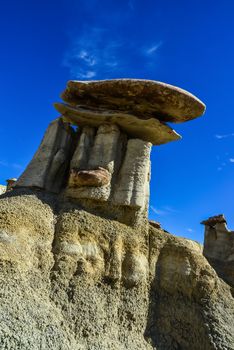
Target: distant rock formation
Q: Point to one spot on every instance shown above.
(219, 247)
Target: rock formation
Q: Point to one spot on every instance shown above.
(105, 164)
(81, 265)
(219, 247)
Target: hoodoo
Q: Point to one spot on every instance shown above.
(82, 267)
(106, 161)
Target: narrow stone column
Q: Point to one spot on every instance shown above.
(132, 188)
(82, 153)
(47, 168)
(106, 152)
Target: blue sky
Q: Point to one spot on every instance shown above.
(184, 43)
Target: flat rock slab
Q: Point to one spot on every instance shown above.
(213, 220)
(151, 130)
(143, 98)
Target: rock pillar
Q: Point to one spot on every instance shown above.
(49, 164)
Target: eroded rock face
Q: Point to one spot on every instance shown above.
(100, 168)
(70, 279)
(81, 266)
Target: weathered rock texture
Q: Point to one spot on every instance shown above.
(151, 129)
(48, 167)
(81, 266)
(219, 247)
(72, 280)
(101, 148)
(143, 98)
(132, 186)
(100, 168)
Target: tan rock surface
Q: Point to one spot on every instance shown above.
(143, 98)
(151, 130)
(72, 280)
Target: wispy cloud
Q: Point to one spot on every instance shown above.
(157, 211)
(17, 166)
(166, 210)
(170, 209)
(153, 48)
(224, 136)
(86, 75)
(92, 54)
(96, 54)
(11, 165)
(223, 163)
(190, 230)
(85, 56)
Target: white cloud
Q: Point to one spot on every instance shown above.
(11, 165)
(170, 209)
(87, 75)
(190, 230)
(92, 54)
(87, 58)
(219, 137)
(166, 210)
(17, 166)
(97, 53)
(158, 211)
(152, 49)
(231, 160)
